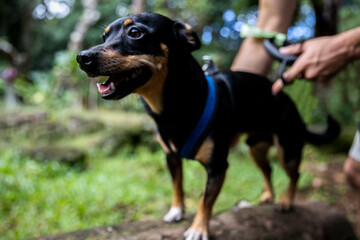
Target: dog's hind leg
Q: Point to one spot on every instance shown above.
(290, 160)
(258, 152)
(176, 212)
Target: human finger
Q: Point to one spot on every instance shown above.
(277, 86)
(296, 70)
(293, 49)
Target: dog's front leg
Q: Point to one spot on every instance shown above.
(174, 164)
(176, 212)
(199, 229)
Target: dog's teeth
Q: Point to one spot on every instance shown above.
(112, 86)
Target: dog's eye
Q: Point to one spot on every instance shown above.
(135, 32)
(103, 36)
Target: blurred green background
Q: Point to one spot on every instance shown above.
(70, 160)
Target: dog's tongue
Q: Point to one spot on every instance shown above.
(104, 87)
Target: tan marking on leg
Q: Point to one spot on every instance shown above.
(202, 218)
(174, 164)
(178, 194)
(172, 146)
(235, 140)
(128, 21)
(258, 153)
(205, 151)
(291, 169)
(201, 221)
(175, 168)
(162, 144)
(176, 212)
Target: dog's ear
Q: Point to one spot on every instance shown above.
(186, 36)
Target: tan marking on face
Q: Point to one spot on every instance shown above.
(128, 21)
(107, 29)
(188, 27)
(113, 62)
(152, 90)
(205, 151)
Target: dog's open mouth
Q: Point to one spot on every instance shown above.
(119, 85)
(110, 85)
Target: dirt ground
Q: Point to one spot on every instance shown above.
(330, 185)
(310, 216)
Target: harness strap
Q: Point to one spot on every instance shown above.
(196, 137)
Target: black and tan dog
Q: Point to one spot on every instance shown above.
(198, 116)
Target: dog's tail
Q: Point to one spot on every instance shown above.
(328, 136)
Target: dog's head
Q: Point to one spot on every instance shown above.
(135, 53)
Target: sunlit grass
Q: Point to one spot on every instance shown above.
(133, 184)
(39, 199)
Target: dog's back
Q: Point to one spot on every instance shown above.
(253, 108)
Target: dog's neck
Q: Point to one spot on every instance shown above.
(183, 97)
(185, 87)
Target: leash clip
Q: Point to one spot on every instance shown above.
(282, 70)
(209, 67)
(286, 60)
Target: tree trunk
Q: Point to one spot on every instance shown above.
(326, 13)
(311, 221)
(89, 17)
(137, 6)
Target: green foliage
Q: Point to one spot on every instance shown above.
(56, 88)
(40, 199)
(124, 181)
(301, 93)
(132, 183)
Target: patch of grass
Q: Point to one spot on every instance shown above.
(132, 184)
(46, 198)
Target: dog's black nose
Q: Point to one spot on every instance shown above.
(86, 58)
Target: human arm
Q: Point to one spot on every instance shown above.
(321, 58)
(274, 15)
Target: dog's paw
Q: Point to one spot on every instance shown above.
(283, 207)
(175, 214)
(191, 234)
(285, 204)
(266, 198)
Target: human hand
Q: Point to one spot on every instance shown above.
(320, 59)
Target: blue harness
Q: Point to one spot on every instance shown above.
(198, 134)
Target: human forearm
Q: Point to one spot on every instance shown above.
(321, 58)
(274, 15)
(352, 41)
